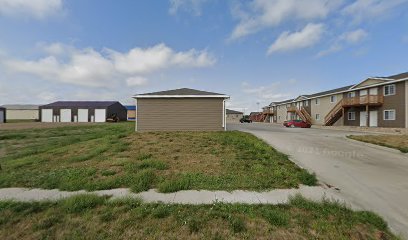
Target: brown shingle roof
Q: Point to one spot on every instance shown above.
(399, 76)
(229, 111)
(181, 92)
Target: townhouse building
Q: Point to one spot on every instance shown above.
(374, 102)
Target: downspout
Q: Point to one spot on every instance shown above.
(137, 115)
(223, 116)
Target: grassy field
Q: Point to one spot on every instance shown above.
(92, 217)
(399, 142)
(106, 156)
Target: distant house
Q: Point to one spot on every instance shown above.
(255, 116)
(82, 111)
(234, 116)
(131, 113)
(181, 110)
(22, 112)
(2, 115)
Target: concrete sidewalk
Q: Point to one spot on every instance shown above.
(182, 197)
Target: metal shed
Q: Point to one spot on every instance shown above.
(181, 110)
(22, 112)
(82, 111)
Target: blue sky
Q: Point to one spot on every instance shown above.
(254, 51)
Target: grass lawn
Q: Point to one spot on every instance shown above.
(399, 142)
(92, 217)
(106, 156)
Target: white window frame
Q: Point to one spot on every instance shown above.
(394, 87)
(306, 103)
(351, 116)
(333, 99)
(390, 110)
(317, 101)
(317, 116)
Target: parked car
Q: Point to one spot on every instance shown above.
(245, 119)
(296, 123)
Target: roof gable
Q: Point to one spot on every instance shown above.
(370, 81)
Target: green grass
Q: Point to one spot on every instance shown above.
(106, 156)
(399, 142)
(101, 218)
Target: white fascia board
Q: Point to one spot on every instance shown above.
(182, 96)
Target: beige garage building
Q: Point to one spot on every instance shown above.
(22, 112)
(181, 110)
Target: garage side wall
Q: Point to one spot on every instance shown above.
(187, 114)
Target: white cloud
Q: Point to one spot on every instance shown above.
(88, 67)
(368, 9)
(269, 93)
(136, 81)
(34, 8)
(139, 61)
(307, 37)
(271, 13)
(352, 37)
(192, 6)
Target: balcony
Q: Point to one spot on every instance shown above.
(292, 109)
(370, 100)
(268, 111)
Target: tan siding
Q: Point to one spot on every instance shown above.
(22, 114)
(324, 108)
(282, 113)
(188, 114)
(369, 82)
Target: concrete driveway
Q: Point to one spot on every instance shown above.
(368, 177)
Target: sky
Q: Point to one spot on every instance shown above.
(256, 51)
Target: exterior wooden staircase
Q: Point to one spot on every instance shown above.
(335, 114)
(304, 115)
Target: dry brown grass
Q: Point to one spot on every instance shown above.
(109, 156)
(399, 142)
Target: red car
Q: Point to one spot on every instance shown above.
(296, 123)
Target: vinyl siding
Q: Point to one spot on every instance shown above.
(282, 113)
(186, 114)
(406, 104)
(324, 108)
(396, 102)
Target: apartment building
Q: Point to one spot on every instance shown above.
(374, 102)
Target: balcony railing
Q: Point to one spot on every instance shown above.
(268, 111)
(292, 109)
(372, 100)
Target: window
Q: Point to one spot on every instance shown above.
(332, 99)
(363, 92)
(317, 101)
(389, 90)
(389, 115)
(351, 94)
(351, 116)
(306, 103)
(317, 117)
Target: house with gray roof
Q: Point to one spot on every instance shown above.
(181, 110)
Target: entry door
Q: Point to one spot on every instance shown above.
(65, 115)
(363, 119)
(100, 115)
(82, 115)
(373, 118)
(1, 117)
(46, 115)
